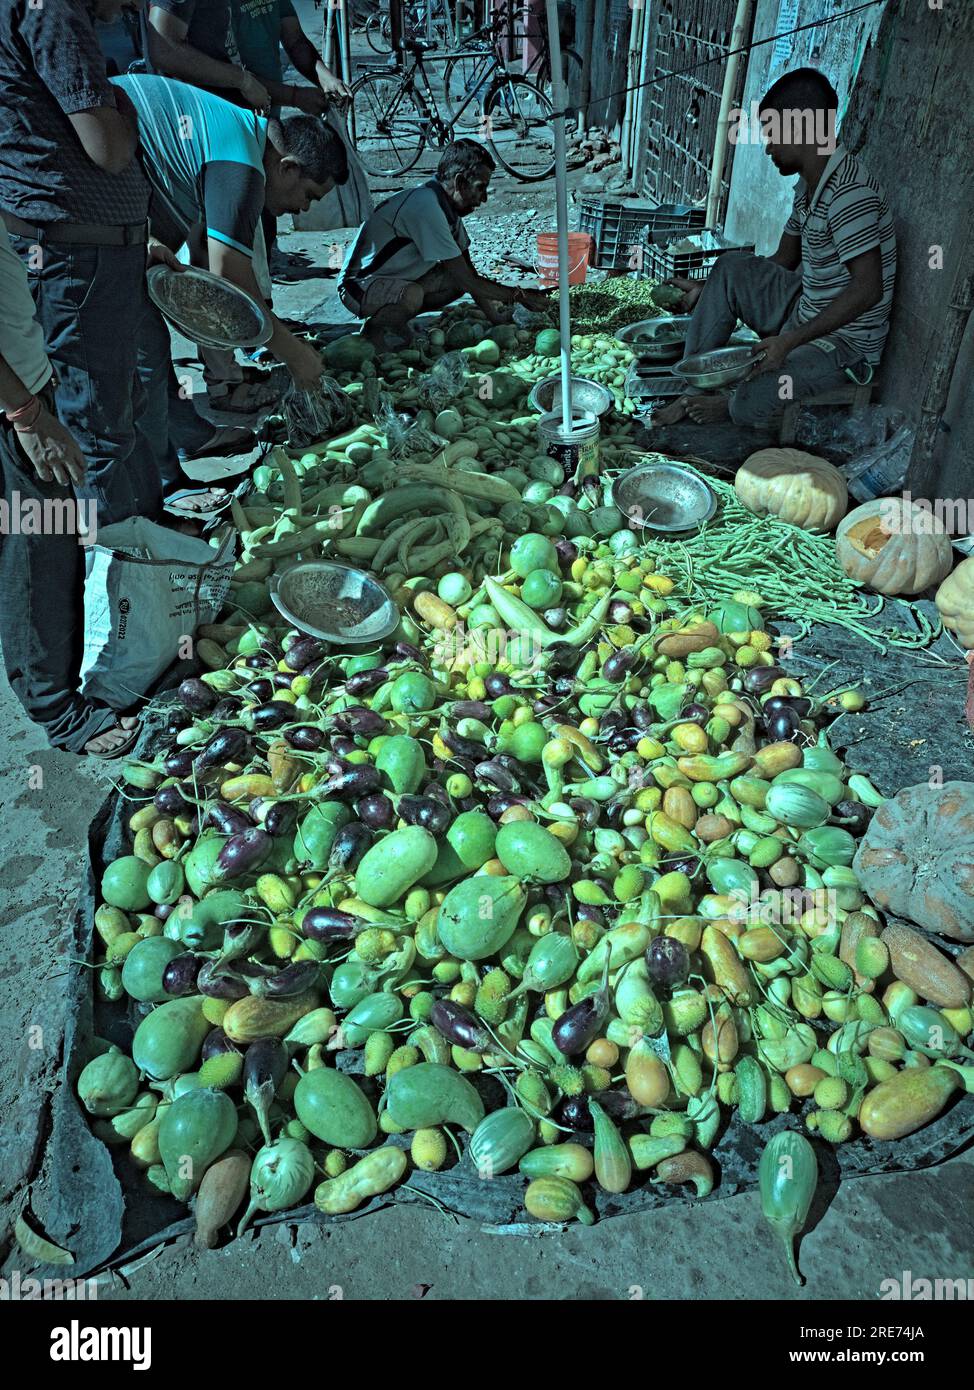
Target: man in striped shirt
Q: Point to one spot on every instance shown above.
(821, 303)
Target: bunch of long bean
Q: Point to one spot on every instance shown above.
(795, 572)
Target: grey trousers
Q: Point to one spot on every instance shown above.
(763, 295)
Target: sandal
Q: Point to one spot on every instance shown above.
(246, 397)
(127, 725)
(226, 442)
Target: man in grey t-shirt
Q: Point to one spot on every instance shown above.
(821, 304)
(413, 253)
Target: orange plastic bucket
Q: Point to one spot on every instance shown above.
(579, 252)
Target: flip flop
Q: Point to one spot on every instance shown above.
(229, 448)
(126, 746)
(247, 398)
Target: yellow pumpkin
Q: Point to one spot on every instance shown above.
(893, 546)
(955, 602)
(799, 488)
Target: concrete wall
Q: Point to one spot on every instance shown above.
(760, 199)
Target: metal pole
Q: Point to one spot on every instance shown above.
(559, 97)
(345, 37)
(328, 49)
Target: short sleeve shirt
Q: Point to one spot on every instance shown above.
(407, 236)
(847, 216)
(21, 336)
(257, 27)
(51, 67)
(204, 158)
(209, 26)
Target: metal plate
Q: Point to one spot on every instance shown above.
(180, 294)
(588, 397)
(720, 368)
(663, 497)
(657, 340)
(337, 603)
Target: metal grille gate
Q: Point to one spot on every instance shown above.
(680, 121)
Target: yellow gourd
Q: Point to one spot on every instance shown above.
(799, 488)
(893, 546)
(955, 602)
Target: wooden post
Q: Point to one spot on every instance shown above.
(921, 477)
(396, 28)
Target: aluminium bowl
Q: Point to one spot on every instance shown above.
(663, 497)
(257, 327)
(337, 603)
(720, 368)
(588, 397)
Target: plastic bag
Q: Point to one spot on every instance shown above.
(317, 414)
(882, 470)
(850, 433)
(404, 436)
(444, 382)
(147, 589)
(348, 204)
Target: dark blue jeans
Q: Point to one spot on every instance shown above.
(41, 607)
(169, 419)
(90, 303)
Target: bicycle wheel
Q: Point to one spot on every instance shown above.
(469, 73)
(374, 37)
(519, 130)
(388, 125)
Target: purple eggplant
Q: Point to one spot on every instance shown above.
(619, 612)
(281, 680)
(589, 811)
(575, 1114)
(496, 775)
(364, 682)
(329, 924)
(196, 696)
(667, 960)
(260, 691)
(361, 721)
(349, 784)
(287, 983)
(567, 550)
(177, 721)
(181, 975)
(342, 744)
(620, 1105)
(306, 738)
(240, 939)
(581, 1024)
(219, 983)
(348, 846)
(561, 658)
(799, 703)
(279, 817)
(405, 651)
(460, 746)
(784, 726)
(178, 762)
(695, 713)
(273, 715)
(760, 679)
(169, 801)
(228, 746)
(266, 1062)
(459, 1026)
(503, 801)
(563, 687)
(425, 811)
(215, 1044)
(853, 815)
(243, 853)
(230, 707)
(304, 651)
(617, 666)
(163, 911)
(497, 685)
(471, 709)
(376, 811)
(229, 820)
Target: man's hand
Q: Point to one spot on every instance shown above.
(54, 452)
(310, 100)
(535, 300)
(692, 290)
(254, 94)
(774, 350)
(159, 254)
(333, 88)
(493, 311)
(305, 365)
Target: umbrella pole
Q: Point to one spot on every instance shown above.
(559, 96)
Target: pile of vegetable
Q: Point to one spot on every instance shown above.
(560, 878)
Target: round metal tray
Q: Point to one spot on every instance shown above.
(248, 323)
(588, 397)
(721, 368)
(663, 497)
(657, 340)
(340, 604)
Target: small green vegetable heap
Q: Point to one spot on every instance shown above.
(612, 304)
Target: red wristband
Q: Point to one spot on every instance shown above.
(25, 415)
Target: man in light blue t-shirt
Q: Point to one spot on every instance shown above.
(215, 165)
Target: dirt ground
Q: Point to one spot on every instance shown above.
(872, 1229)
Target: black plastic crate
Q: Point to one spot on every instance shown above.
(619, 229)
(661, 263)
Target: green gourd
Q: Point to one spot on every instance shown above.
(168, 1040)
(391, 867)
(787, 1178)
(529, 851)
(402, 763)
(333, 1107)
(500, 1140)
(200, 865)
(316, 834)
(371, 1015)
(828, 846)
(166, 882)
(144, 967)
(196, 1129)
(108, 1084)
(200, 925)
(124, 883)
(479, 916)
(432, 1094)
(795, 805)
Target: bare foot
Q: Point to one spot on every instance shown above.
(672, 413)
(104, 745)
(198, 501)
(709, 410)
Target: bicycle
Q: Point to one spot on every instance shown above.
(471, 70)
(394, 116)
(378, 28)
